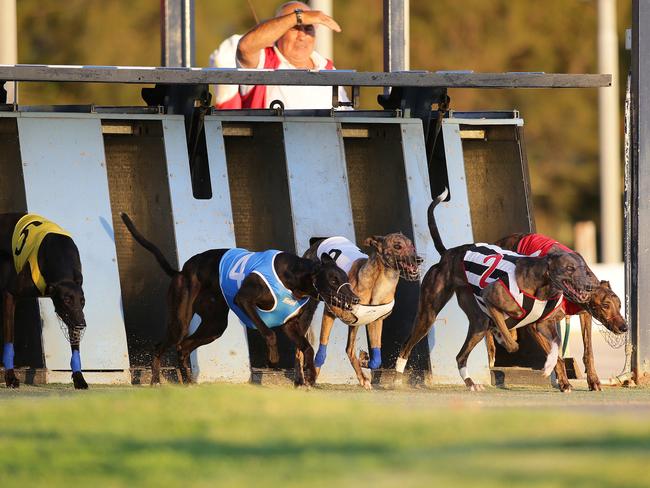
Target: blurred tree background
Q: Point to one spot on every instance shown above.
(480, 35)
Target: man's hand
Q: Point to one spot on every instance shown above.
(318, 17)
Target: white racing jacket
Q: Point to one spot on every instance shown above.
(345, 253)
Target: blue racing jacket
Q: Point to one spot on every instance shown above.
(236, 265)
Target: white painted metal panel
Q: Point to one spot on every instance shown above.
(202, 224)
(320, 204)
(454, 222)
(65, 181)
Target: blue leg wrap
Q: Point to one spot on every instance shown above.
(375, 358)
(319, 360)
(75, 361)
(8, 355)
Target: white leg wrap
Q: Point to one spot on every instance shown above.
(551, 359)
(400, 364)
(463, 373)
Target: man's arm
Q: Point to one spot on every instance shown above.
(266, 33)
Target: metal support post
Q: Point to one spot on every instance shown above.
(177, 32)
(637, 266)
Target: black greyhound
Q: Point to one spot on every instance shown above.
(60, 268)
(196, 289)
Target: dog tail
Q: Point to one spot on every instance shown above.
(149, 246)
(433, 227)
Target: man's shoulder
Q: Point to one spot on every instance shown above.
(321, 62)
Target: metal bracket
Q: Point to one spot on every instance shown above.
(193, 102)
(416, 102)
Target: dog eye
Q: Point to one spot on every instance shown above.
(571, 268)
(397, 246)
(605, 306)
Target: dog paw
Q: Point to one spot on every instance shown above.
(594, 384)
(565, 387)
(10, 379)
(79, 381)
(366, 384)
(471, 386)
(512, 348)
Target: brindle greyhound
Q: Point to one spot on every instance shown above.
(374, 279)
(196, 289)
(58, 260)
(603, 304)
(542, 279)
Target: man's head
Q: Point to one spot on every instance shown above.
(297, 43)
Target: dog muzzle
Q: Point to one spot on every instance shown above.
(338, 299)
(72, 333)
(409, 267)
(580, 296)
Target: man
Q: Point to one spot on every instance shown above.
(226, 96)
(287, 42)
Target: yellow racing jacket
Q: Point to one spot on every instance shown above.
(26, 240)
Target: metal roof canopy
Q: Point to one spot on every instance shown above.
(217, 76)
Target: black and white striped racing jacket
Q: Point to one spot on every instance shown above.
(485, 264)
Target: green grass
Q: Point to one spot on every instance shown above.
(226, 435)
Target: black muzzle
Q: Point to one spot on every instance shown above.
(338, 299)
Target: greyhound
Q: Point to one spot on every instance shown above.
(374, 279)
(39, 259)
(497, 290)
(603, 304)
(265, 290)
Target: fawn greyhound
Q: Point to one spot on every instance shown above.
(374, 279)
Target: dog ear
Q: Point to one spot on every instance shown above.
(374, 241)
(605, 284)
(326, 259)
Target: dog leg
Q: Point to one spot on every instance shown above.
(551, 349)
(491, 348)
(588, 358)
(179, 316)
(497, 316)
(363, 379)
(325, 330)
(8, 308)
(214, 321)
(478, 326)
(78, 379)
(434, 294)
(305, 371)
(374, 333)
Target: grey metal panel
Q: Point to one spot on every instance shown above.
(200, 225)
(320, 206)
(216, 76)
(65, 180)
(320, 198)
(453, 218)
(638, 213)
